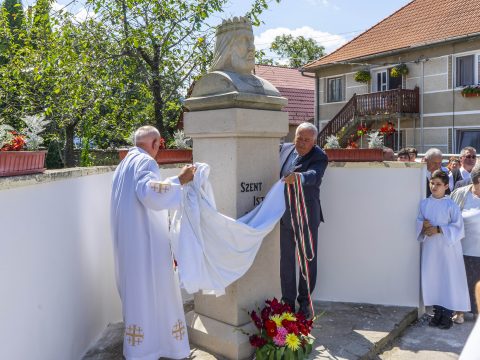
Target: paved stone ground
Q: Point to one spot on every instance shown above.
(342, 331)
(422, 342)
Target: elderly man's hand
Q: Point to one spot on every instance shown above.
(289, 179)
(187, 173)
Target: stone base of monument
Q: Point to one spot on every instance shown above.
(218, 337)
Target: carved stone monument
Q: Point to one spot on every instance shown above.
(236, 123)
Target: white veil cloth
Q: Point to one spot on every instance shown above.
(213, 250)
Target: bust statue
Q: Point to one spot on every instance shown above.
(234, 48)
(230, 82)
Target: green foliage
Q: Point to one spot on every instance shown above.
(98, 80)
(399, 70)
(362, 76)
(261, 59)
(53, 160)
(299, 51)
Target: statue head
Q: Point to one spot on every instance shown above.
(234, 48)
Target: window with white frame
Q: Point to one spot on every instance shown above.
(334, 89)
(467, 70)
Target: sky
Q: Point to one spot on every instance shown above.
(330, 22)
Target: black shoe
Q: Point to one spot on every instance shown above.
(437, 317)
(305, 310)
(445, 323)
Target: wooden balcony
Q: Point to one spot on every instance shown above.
(398, 101)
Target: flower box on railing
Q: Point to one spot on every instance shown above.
(354, 155)
(167, 156)
(21, 162)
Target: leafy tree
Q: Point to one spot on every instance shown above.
(298, 50)
(170, 40)
(261, 59)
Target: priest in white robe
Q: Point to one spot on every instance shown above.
(146, 280)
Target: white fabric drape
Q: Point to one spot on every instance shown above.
(214, 250)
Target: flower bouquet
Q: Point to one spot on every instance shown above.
(282, 334)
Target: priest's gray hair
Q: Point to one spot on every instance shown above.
(433, 152)
(144, 133)
(475, 173)
(307, 126)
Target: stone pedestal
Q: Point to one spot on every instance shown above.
(242, 148)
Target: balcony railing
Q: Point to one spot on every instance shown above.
(385, 102)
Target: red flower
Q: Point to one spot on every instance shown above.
(291, 326)
(265, 314)
(256, 320)
(162, 143)
(16, 144)
(257, 341)
(271, 328)
(388, 128)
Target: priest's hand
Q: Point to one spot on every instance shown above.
(289, 179)
(187, 173)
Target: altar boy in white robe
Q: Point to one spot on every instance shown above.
(440, 228)
(147, 283)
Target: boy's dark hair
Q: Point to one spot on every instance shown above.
(441, 175)
(404, 152)
(412, 150)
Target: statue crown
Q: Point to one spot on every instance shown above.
(234, 24)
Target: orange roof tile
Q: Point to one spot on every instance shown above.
(418, 23)
(298, 89)
(285, 77)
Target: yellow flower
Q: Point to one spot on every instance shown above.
(292, 341)
(289, 316)
(277, 319)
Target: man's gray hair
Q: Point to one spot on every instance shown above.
(433, 152)
(145, 132)
(468, 148)
(307, 126)
(475, 173)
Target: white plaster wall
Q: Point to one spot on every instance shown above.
(56, 268)
(367, 248)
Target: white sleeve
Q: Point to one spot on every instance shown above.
(169, 199)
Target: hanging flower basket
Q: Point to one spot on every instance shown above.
(354, 155)
(167, 156)
(21, 162)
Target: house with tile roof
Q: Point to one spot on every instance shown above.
(297, 88)
(436, 46)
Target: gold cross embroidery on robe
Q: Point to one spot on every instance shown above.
(178, 330)
(134, 335)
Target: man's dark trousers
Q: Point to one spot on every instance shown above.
(287, 266)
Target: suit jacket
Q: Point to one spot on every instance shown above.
(312, 166)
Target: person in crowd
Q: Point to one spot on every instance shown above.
(403, 155)
(471, 350)
(307, 159)
(413, 154)
(433, 158)
(453, 163)
(148, 286)
(440, 229)
(468, 159)
(468, 199)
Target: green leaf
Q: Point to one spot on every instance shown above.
(308, 349)
(271, 354)
(288, 354)
(279, 353)
(300, 354)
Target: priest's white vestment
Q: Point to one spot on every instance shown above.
(148, 285)
(444, 281)
(212, 249)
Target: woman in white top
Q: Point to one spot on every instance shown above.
(468, 199)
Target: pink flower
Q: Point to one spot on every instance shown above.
(279, 339)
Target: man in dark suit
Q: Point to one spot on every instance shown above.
(307, 159)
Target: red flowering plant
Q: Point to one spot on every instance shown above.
(361, 130)
(13, 141)
(282, 334)
(388, 128)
